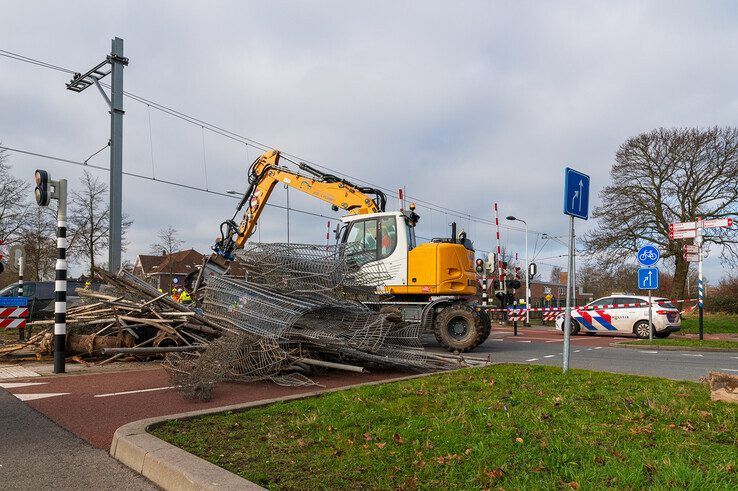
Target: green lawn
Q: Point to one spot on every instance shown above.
(509, 426)
(712, 322)
(687, 343)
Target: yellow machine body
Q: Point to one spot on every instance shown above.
(438, 268)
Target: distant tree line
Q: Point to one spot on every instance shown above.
(22, 221)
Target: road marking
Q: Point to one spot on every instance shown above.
(734, 357)
(500, 340)
(523, 341)
(16, 385)
(589, 349)
(577, 350)
(598, 347)
(33, 397)
(729, 369)
(691, 354)
(549, 356)
(556, 341)
(649, 352)
(135, 391)
(532, 359)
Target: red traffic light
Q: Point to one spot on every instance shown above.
(480, 266)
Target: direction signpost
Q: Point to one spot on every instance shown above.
(691, 253)
(648, 277)
(576, 204)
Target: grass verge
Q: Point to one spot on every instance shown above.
(511, 426)
(712, 322)
(687, 343)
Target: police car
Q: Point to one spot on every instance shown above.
(624, 314)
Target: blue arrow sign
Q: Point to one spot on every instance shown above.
(648, 278)
(648, 255)
(576, 194)
(13, 302)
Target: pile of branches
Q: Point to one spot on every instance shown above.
(126, 318)
(299, 309)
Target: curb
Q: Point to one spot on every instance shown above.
(621, 344)
(172, 468)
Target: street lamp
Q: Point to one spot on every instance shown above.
(527, 272)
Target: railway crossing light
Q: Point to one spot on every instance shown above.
(480, 266)
(43, 184)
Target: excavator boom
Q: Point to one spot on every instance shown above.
(265, 173)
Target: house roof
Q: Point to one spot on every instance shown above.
(182, 262)
(147, 263)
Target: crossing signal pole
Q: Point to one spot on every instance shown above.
(45, 191)
(113, 66)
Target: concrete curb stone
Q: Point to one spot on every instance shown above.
(622, 344)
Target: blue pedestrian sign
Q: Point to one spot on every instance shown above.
(648, 255)
(576, 194)
(648, 278)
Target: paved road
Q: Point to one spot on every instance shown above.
(94, 406)
(544, 347)
(35, 453)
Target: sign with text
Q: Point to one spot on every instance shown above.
(682, 234)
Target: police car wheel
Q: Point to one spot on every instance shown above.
(641, 329)
(574, 328)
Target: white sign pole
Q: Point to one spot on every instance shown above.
(567, 318)
(650, 318)
(700, 285)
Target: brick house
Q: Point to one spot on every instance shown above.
(169, 270)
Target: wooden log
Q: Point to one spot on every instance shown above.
(151, 350)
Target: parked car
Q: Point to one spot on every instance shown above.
(40, 295)
(624, 314)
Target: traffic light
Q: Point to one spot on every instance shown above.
(42, 191)
(479, 266)
(512, 284)
(510, 298)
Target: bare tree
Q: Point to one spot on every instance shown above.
(665, 176)
(167, 243)
(39, 243)
(90, 221)
(555, 274)
(13, 202)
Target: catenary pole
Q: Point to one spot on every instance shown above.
(116, 154)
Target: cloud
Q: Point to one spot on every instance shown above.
(464, 104)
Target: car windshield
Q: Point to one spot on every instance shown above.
(9, 291)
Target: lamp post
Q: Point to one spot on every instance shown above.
(527, 272)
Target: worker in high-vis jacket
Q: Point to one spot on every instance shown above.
(184, 297)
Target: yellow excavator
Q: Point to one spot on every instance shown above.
(433, 283)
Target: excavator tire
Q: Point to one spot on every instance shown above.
(487, 323)
(459, 328)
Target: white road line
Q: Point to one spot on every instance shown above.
(598, 347)
(500, 340)
(589, 349)
(577, 350)
(734, 357)
(649, 352)
(556, 341)
(729, 369)
(135, 391)
(532, 359)
(33, 397)
(549, 356)
(691, 354)
(523, 341)
(15, 385)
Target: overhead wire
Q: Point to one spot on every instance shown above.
(141, 176)
(262, 146)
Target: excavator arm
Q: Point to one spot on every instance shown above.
(265, 173)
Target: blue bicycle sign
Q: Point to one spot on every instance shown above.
(648, 255)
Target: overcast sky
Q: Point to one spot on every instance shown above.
(462, 103)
